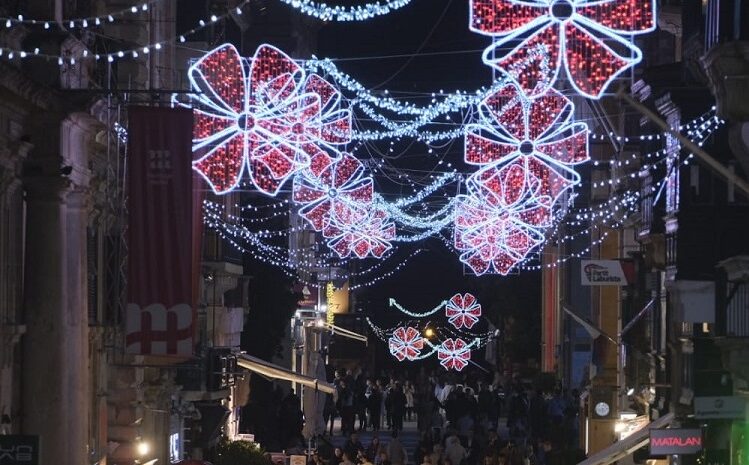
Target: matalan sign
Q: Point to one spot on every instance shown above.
(602, 273)
(675, 441)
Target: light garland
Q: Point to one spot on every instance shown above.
(363, 12)
(393, 303)
(135, 52)
(80, 22)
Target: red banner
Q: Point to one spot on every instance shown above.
(161, 233)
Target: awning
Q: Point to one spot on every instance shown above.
(593, 330)
(626, 446)
(276, 372)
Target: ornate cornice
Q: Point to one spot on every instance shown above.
(18, 83)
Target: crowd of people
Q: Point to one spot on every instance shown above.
(461, 420)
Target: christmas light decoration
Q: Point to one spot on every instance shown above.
(392, 303)
(341, 13)
(371, 234)
(406, 343)
(454, 354)
(588, 38)
(333, 190)
(115, 55)
(268, 117)
(80, 22)
(529, 144)
(463, 311)
(494, 236)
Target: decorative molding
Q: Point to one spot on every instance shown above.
(10, 335)
(18, 83)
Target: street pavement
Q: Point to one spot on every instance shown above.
(409, 437)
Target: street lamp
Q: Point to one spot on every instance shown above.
(143, 448)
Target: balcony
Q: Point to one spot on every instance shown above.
(727, 67)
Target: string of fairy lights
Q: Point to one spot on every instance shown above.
(384, 129)
(607, 215)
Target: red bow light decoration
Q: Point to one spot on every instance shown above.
(589, 39)
(268, 116)
(406, 343)
(463, 311)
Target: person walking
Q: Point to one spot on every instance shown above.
(396, 452)
(397, 408)
(409, 392)
(374, 404)
(346, 407)
(454, 450)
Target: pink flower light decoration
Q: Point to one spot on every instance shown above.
(463, 311)
(333, 190)
(587, 38)
(269, 117)
(494, 236)
(454, 354)
(370, 234)
(406, 343)
(526, 144)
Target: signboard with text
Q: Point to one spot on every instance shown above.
(605, 272)
(675, 441)
(16, 449)
(720, 407)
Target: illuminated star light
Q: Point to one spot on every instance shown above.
(268, 116)
(333, 190)
(454, 354)
(526, 144)
(406, 343)
(588, 38)
(463, 311)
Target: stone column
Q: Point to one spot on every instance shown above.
(11, 279)
(50, 400)
(76, 222)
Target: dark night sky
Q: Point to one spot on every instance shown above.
(425, 27)
(422, 31)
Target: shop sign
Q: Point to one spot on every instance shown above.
(298, 460)
(673, 441)
(720, 407)
(16, 449)
(603, 273)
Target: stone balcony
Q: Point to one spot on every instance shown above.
(727, 68)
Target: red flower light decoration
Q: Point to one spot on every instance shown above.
(454, 354)
(495, 236)
(463, 311)
(406, 343)
(333, 190)
(588, 38)
(370, 234)
(526, 144)
(269, 117)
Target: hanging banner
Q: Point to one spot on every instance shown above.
(161, 235)
(606, 273)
